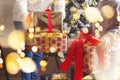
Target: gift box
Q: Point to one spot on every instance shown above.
(50, 38)
(90, 59)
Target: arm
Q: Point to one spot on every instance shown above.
(59, 6)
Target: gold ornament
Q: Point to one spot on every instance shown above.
(73, 9)
(76, 15)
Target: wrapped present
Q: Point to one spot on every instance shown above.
(48, 41)
(90, 59)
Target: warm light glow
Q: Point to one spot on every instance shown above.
(1, 61)
(34, 48)
(108, 11)
(43, 69)
(12, 64)
(15, 39)
(37, 29)
(92, 14)
(19, 51)
(22, 54)
(2, 27)
(31, 30)
(118, 18)
(31, 35)
(101, 19)
(85, 30)
(1, 66)
(43, 63)
(27, 65)
(12, 67)
(53, 49)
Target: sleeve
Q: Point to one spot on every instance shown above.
(106, 50)
(20, 9)
(59, 6)
(66, 64)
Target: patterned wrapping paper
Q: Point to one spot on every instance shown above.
(46, 40)
(90, 59)
(50, 34)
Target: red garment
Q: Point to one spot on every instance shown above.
(76, 52)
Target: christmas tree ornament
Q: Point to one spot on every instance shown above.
(107, 11)
(76, 16)
(85, 30)
(34, 48)
(17, 37)
(43, 63)
(73, 9)
(27, 65)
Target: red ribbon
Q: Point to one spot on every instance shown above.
(49, 20)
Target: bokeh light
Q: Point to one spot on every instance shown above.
(16, 39)
(12, 64)
(92, 14)
(27, 65)
(43, 63)
(107, 11)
